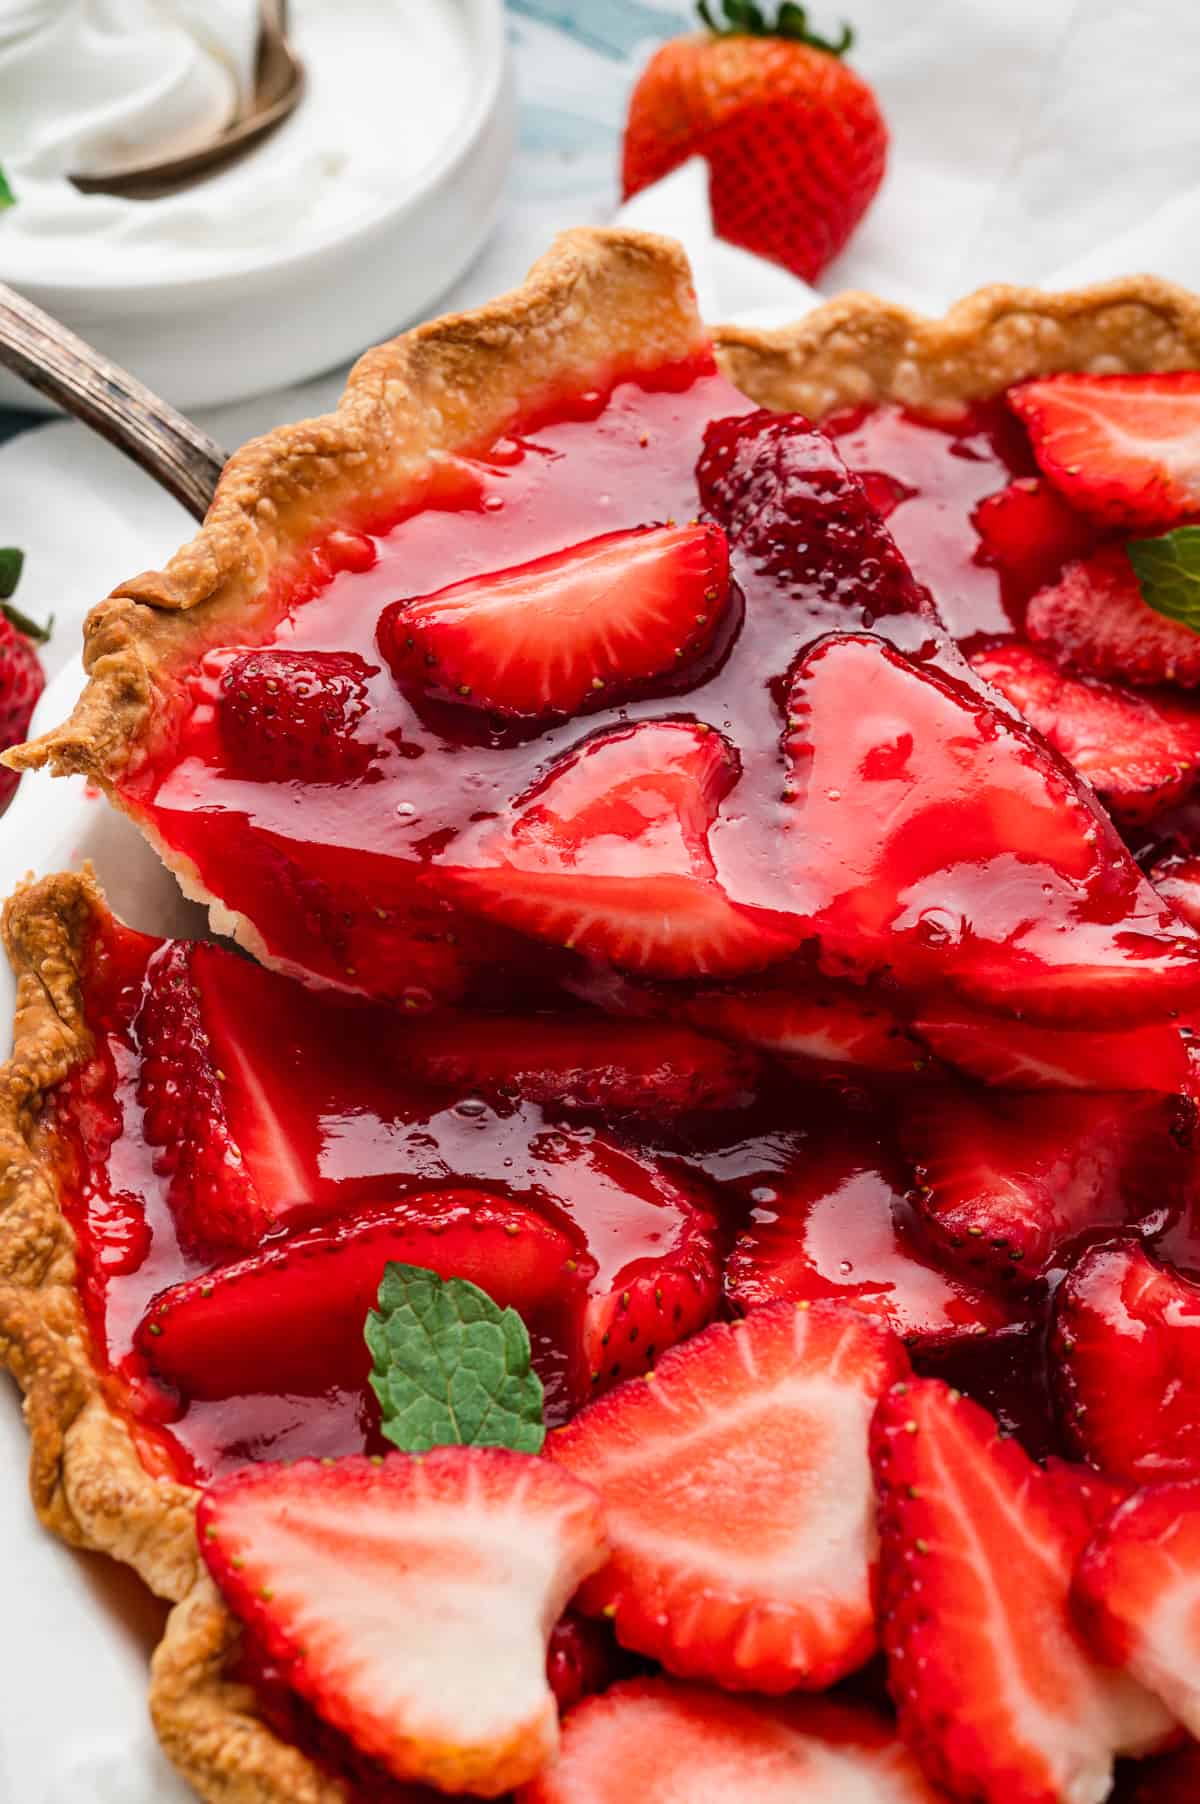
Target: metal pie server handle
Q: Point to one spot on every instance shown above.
(160, 440)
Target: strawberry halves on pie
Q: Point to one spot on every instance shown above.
(662, 1742)
(998, 1695)
(1139, 749)
(805, 537)
(608, 856)
(1126, 1363)
(738, 1499)
(1003, 1182)
(410, 1600)
(585, 626)
(836, 1227)
(1137, 1594)
(1123, 449)
(932, 837)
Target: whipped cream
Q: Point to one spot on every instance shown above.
(85, 84)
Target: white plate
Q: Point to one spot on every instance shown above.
(78, 1629)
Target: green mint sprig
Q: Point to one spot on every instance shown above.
(451, 1366)
(1168, 573)
(7, 197)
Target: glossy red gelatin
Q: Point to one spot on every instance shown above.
(321, 1121)
(337, 859)
(332, 871)
(426, 850)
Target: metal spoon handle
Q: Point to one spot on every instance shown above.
(112, 402)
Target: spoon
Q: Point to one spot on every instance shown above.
(278, 89)
(160, 439)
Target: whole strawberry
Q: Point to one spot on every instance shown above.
(22, 678)
(794, 139)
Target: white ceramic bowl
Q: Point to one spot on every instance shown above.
(202, 342)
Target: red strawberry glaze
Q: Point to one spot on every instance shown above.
(359, 1132)
(355, 1132)
(928, 477)
(300, 857)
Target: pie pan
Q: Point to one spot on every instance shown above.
(596, 299)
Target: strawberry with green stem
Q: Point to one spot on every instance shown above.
(794, 139)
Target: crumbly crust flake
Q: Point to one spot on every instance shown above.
(598, 299)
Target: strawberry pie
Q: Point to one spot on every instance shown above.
(671, 1270)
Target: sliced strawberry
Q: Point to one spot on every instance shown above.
(658, 1251)
(660, 1742)
(1176, 877)
(737, 1494)
(1137, 1594)
(838, 1229)
(609, 857)
(578, 1062)
(1094, 620)
(996, 1693)
(213, 1198)
(1126, 1351)
(411, 1599)
(1027, 532)
(1003, 1182)
(289, 1319)
(285, 715)
(585, 625)
(294, 1721)
(1140, 752)
(1124, 450)
(932, 835)
(231, 993)
(801, 525)
(328, 1086)
(817, 1025)
(1019, 1055)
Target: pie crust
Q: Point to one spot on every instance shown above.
(599, 298)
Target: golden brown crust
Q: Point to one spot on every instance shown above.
(88, 1483)
(208, 1724)
(858, 349)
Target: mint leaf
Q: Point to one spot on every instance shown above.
(451, 1366)
(1168, 573)
(7, 197)
(12, 562)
